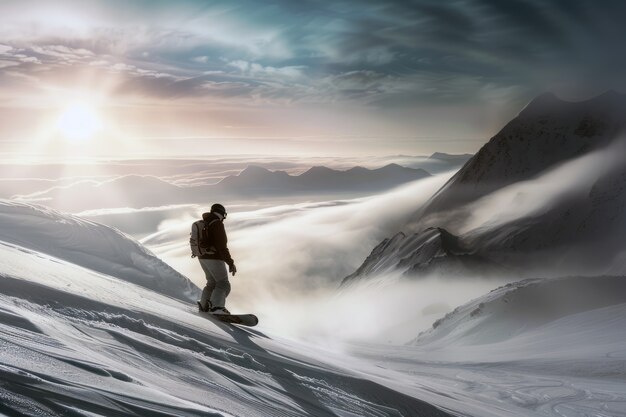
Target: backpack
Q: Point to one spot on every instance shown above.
(204, 240)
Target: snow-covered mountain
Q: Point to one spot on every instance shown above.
(102, 249)
(433, 250)
(138, 191)
(359, 178)
(546, 132)
(516, 310)
(533, 348)
(546, 194)
(83, 333)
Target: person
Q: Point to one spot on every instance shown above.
(210, 245)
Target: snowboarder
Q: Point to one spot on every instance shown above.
(209, 243)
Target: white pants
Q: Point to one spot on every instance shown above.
(217, 286)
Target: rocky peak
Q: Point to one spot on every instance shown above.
(547, 131)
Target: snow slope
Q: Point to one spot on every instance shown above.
(563, 340)
(534, 348)
(91, 245)
(78, 342)
(524, 309)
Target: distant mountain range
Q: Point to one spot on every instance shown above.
(581, 230)
(139, 191)
(259, 180)
(24, 179)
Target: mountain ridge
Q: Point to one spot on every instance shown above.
(573, 230)
(504, 312)
(546, 132)
(90, 245)
(252, 181)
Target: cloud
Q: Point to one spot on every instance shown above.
(494, 44)
(200, 59)
(288, 252)
(294, 253)
(12, 186)
(309, 229)
(388, 309)
(358, 80)
(15, 57)
(567, 220)
(138, 222)
(421, 68)
(63, 52)
(7, 64)
(259, 70)
(532, 198)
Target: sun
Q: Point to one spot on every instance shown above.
(79, 122)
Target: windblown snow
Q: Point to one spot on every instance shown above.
(81, 333)
(545, 196)
(90, 326)
(90, 245)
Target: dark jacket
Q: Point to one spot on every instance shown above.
(216, 236)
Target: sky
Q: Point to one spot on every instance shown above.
(345, 77)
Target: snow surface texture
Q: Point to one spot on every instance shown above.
(533, 348)
(560, 342)
(74, 341)
(78, 342)
(90, 245)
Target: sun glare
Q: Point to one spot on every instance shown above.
(79, 122)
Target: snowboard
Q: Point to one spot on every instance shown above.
(241, 319)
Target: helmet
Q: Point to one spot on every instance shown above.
(218, 208)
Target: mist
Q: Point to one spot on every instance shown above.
(571, 179)
(101, 190)
(291, 259)
(389, 309)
